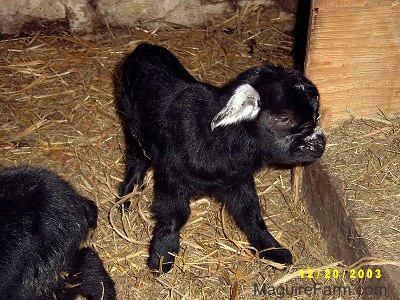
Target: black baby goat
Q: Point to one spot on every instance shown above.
(206, 140)
(42, 224)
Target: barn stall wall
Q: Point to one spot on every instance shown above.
(86, 15)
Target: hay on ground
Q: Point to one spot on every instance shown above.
(364, 154)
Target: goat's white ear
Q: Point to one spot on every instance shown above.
(243, 105)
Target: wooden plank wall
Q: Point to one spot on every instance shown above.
(353, 57)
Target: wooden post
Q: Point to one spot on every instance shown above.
(353, 57)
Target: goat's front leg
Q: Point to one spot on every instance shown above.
(171, 210)
(243, 204)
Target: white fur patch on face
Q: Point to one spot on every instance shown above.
(316, 134)
(243, 105)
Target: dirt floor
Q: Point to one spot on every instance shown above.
(57, 111)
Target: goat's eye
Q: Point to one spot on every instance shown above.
(284, 121)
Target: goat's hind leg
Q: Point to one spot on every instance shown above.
(136, 166)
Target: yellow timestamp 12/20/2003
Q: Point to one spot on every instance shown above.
(340, 273)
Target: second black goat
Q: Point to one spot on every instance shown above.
(43, 221)
(207, 140)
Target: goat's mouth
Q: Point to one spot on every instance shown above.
(313, 149)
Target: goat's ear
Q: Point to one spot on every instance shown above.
(243, 105)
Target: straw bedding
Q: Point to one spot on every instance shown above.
(365, 156)
(57, 111)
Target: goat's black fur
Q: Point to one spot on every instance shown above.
(87, 277)
(205, 140)
(43, 221)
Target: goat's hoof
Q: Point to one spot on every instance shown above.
(280, 255)
(160, 265)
